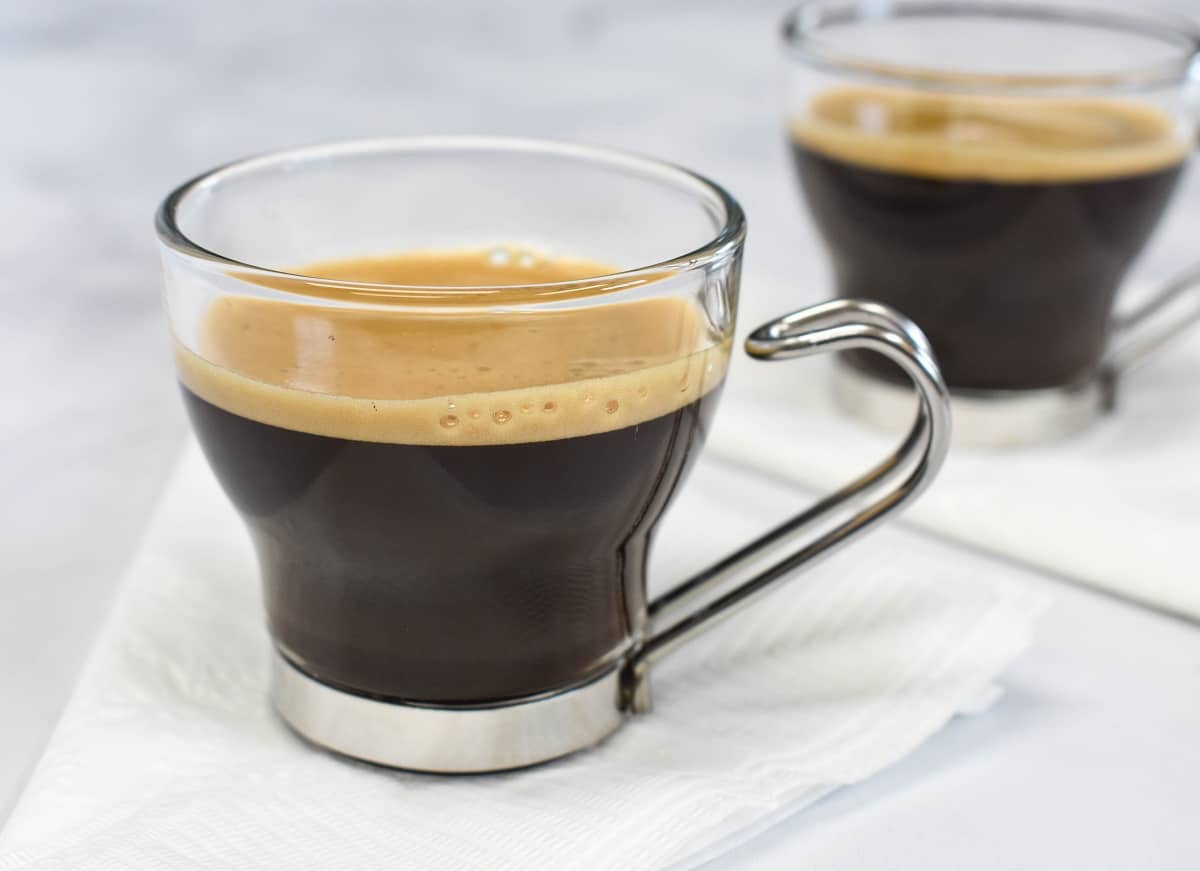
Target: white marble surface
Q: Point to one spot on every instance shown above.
(107, 104)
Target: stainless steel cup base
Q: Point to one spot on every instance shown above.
(448, 740)
(982, 418)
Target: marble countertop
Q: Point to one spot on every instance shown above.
(108, 104)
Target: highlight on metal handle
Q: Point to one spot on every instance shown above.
(1167, 314)
(721, 589)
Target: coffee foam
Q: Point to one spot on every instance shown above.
(1002, 139)
(501, 377)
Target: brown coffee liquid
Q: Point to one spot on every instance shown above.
(452, 507)
(1002, 226)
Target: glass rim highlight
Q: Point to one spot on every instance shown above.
(708, 193)
(804, 24)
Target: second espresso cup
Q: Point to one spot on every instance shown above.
(451, 385)
(992, 169)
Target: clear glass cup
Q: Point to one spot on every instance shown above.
(452, 486)
(992, 169)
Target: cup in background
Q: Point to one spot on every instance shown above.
(990, 169)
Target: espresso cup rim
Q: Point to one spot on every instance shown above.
(722, 245)
(803, 23)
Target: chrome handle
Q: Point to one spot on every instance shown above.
(1167, 314)
(721, 589)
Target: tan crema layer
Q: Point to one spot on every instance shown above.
(453, 379)
(1000, 139)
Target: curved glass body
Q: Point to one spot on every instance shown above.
(451, 385)
(991, 169)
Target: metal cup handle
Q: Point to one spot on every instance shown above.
(1166, 315)
(723, 588)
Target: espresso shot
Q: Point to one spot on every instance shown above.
(1002, 225)
(452, 506)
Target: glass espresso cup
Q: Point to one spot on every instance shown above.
(451, 385)
(991, 169)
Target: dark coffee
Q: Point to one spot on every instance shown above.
(1003, 227)
(452, 508)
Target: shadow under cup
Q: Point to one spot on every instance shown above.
(976, 166)
(451, 461)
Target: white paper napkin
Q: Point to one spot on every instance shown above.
(170, 757)
(1117, 506)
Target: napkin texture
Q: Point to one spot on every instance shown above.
(1115, 507)
(169, 756)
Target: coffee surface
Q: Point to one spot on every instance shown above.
(453, 506)
(454, 377)
(1000, 139)
(1002, 226)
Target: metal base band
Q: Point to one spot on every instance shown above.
(448, 740)
(982, 418)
